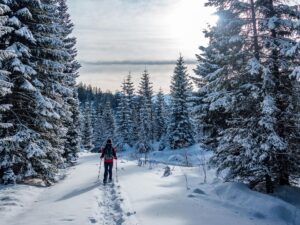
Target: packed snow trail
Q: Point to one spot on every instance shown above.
(79, 199)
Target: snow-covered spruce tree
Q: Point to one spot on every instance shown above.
(160, 120)
(28, 146)
(73, 136)
(240, 62)
(96, 114)
(98, 126)
(180, 130)
(280, 65)
(136, 105)
(123, 135)
(71, 102)
(49, 59)
(7, 159)
(5, 55)
(129, 93)
(38, 89)
(87, 128)
(146, 128)
(219, 64)
(232, 87)
(108, 122)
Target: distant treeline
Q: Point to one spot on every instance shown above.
(88, 93)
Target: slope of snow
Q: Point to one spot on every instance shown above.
(184, 198)
(173, 201)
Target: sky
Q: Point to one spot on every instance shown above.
(116, 37)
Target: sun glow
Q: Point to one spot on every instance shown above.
(186, 22)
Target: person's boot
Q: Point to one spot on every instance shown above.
(104, 182)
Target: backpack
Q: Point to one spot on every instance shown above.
(108, 152)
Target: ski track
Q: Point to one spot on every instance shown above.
(110, 204)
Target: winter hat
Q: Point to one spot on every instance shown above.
(109, 141)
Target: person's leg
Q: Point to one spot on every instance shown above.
(110, 170)
(106, 165)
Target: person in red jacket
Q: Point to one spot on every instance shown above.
(109, 154)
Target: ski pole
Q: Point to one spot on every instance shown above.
(99, 169)
(117, 171)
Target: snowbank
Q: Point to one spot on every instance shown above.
(184, 197)
(262, 206)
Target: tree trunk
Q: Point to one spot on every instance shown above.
(269, 184)
(283, 173)
(284, 179)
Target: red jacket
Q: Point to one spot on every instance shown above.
(108, 160)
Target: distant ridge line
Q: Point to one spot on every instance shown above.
(137, 62)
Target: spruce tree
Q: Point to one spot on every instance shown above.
(218, 65)
(160, 125)
(87, 128)
(123, 134)
(108, 122)
(146, 128)
(39, 90)
(129, 93)
(98, 126)
(5, 57)
(240, 82)
(29, 105)
(72, 144)
(49, 57)
(71, 103)
(280, 66)
(7, 159)
(180, 130)
(136, 106)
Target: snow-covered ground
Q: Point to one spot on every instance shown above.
(144, 196)
(79, 199)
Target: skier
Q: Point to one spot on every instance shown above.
(109, 154)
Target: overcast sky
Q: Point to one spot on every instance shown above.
(118, 36)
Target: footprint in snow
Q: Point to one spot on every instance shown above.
(67, 220)
(198, 191)
(191, 196)
(8, 199)
(130, 213)
(93, 220)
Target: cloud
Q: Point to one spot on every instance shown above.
(137, 29)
